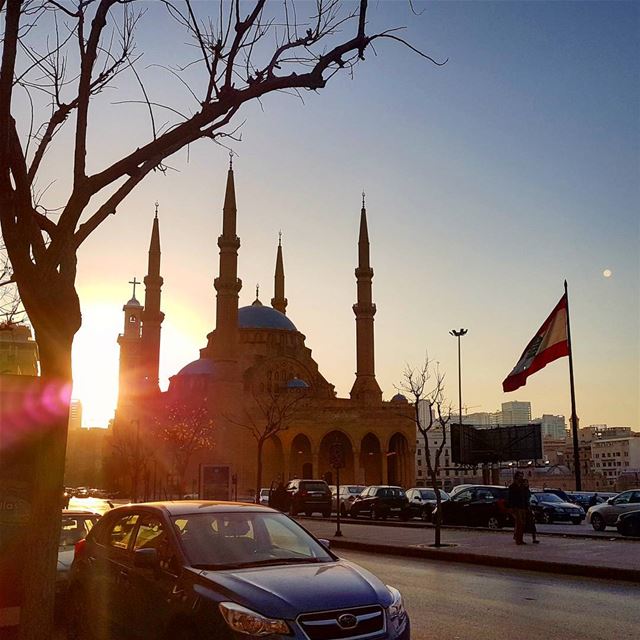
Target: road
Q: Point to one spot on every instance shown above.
(466, 602)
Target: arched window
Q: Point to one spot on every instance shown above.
(132, 318)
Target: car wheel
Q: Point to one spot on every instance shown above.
(424, 516)
(326, 514)
(493, 522)
(293, 511)
(597, 522)
(547, 518)
(577, 520)
(343, 511)
(308, 513)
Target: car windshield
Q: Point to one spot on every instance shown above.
(74, 529)
(264, 492)
(355, 490)
(548, 497)
(313, 486)
(245, 539)
(427, 494)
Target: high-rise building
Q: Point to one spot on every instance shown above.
(75, 415)
(552, 427)
(514, 412)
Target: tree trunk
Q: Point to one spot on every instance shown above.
(259, 471)
(43, 535)
(54, 311)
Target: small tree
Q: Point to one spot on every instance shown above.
(275, 408)
(186, 429)
(131, 457)
(431, 413)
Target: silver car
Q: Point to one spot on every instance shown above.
(605, 515)
(348, 493)
(75, 527)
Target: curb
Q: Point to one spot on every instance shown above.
(604, 573)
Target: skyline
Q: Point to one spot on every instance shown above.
(489, 181)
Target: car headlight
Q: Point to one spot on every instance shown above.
(249, 622)
(396, 608)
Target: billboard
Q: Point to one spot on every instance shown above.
(470, 445)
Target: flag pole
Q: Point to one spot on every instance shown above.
(574, 416)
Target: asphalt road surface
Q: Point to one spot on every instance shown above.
(467, 602)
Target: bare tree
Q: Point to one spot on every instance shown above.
(186, 429)
(431, 414)
(11, 309)
(272, 412)
(132, 457)
(58, 57)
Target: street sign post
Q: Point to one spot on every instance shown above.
(337, 461)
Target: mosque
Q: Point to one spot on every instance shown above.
(255, 365)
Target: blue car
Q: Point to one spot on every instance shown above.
(196, 570)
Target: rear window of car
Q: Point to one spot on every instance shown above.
(314, 486)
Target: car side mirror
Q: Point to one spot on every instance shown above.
(610, 501)
(146, 559)
(325, 543)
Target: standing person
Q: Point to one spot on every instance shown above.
(280, 496)
(519, 505)
(593, 500)
(530, 520)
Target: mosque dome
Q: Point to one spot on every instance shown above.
(296, 383)
(200, 367)
(257, 316)
(399, 398)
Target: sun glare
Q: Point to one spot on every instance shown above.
(95, 364)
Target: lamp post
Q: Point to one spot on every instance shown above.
(458, 333)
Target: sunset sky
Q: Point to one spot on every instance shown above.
(489, 181)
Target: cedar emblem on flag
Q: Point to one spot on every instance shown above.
(550, 343)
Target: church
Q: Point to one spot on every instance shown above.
(261, 388)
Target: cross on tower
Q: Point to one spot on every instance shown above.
(134, 282)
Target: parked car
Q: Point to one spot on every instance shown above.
(561, 493)
(606, 514)
(422, 502)
(264, 496)
(628, 524)
(75, 527)
(309, 496)
(380, 502)
(348, 493)
(478, 506)
(549, 508)
(458, 487)
(223, 571)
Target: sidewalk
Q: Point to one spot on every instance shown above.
(612, 559)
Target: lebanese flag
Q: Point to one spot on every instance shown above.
(550, 343)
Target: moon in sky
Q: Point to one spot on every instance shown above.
(607, 273)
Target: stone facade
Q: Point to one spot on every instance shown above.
(255, 366)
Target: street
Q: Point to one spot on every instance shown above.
(466, 602)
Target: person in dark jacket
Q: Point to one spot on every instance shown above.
(518, 502)
(278, 498)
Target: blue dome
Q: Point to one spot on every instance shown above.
(258, 316)
(399, 398)
(296, 383)
(201, 367)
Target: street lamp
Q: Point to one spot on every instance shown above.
(458, 333)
